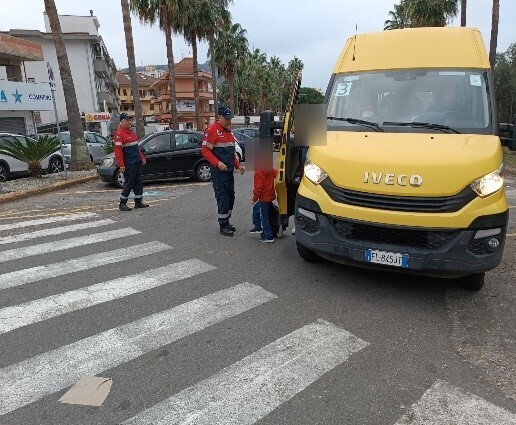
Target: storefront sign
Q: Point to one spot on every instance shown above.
(98, 117)
(25, 96)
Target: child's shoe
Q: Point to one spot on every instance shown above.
(271, 240)
(255, 230)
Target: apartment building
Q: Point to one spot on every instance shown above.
(184, 85)
(93, 70)
(125, 93)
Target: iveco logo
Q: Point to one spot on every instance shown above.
(389, 178)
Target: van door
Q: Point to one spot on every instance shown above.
(289, 159)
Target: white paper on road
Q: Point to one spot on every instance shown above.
(54, 231)
(35, 274)
(88, 391)
(248, 390)
(445, 404)
(48, 220)
(27, 381)
(44, 248)
(31, 312)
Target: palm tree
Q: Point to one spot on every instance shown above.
(431, 13)
(166, 14)
(217, 17)
(80, 157)
(463, 8)
(230, 48)
(31, 151)
(399, 18)
(494, 32)
(129, 44)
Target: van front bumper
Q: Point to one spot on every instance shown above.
(431, 251)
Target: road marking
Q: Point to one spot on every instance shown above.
(29, 380)
(54, 231)
(445, 404)
(35, 311)
(248, 390)
(45, 248)
(59, 213)
(28, 223)
(35, 274)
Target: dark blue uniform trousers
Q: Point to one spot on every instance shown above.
(133, 181)
(224, 187)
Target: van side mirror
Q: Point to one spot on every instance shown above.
(510, 141)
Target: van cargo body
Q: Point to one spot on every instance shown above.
(410, 176)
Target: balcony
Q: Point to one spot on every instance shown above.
(100, 67)
(109, 98)
(111, 82)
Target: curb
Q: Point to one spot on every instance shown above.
(10, 197)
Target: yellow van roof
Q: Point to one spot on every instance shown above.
(414, 48)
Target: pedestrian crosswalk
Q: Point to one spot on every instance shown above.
(241, 393)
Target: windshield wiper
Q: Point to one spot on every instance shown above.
(370, 124)
(417, 124)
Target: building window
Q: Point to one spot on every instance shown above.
(152, 106)
(125, 92)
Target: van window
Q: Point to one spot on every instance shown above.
(457, 98)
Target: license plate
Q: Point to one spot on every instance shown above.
(388, 258)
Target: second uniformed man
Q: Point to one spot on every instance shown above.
(218, 147)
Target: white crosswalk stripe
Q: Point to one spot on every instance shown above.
(445, 404)
(38, 310)
(35, 274)
(16, 253)
(255, 386)
(54, 231)
(48, 220)
(25, 382)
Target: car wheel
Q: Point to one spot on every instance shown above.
(55, 165)
(119, 178)
(4, 170)
(473, 282)
(203, 172)
(307, 254)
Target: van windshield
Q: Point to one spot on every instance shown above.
(393, 100)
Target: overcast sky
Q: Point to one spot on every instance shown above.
(314, 31)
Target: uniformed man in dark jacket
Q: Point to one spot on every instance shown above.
(218, 147)
(130, 159)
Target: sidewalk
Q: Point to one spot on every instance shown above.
(24, 187)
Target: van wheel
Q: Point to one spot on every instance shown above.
(307, 254)
(473, 282)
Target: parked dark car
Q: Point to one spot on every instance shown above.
(169, 154)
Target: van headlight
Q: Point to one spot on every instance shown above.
(314, 173)
(108, 162)
(489, 184)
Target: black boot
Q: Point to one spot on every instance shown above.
(124, 207)
(231, 227)
(226, 231)
(140, 204)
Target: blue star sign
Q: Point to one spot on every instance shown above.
(17, 97)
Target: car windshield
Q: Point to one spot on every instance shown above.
(418, 99)
(65, 137)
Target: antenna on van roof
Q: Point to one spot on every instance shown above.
(355, 40)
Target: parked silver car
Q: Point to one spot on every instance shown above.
(95, 142)
(11, 167)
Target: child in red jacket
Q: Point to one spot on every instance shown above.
(263, 195)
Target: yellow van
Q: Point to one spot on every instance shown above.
(410, 176)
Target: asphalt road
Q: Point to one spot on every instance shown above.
(194, 327)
